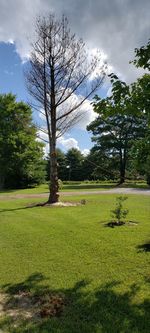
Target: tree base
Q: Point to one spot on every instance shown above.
(56, 204)
(115, 224)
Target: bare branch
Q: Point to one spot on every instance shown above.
(60, 68)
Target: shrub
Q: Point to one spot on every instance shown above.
(119, 213)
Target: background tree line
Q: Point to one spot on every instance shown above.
(120, 132)
(21, 155)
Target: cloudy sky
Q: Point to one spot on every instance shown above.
(116, 27)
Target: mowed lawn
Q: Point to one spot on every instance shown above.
(102, 272)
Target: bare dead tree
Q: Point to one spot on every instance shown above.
(61, 77)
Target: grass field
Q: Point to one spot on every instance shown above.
(102, 273)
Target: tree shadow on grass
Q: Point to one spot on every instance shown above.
(88, 186)
(13, 209)
(34, 205)
(144, 247)
(100, 311)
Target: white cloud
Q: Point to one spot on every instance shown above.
(85, 113)
(85, 152)
(115, 27)
(88, 114)
(42, 137)
(67, 144)
(63, 142)
(103, 60)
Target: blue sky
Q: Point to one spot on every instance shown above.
(11, 72)
(115, 27)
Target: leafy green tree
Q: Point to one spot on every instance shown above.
(74, 160)
(118, 124)
(21, 162)
(142, 56)
(141, 95)
(97, 165)
(141, 149)
(61, 165)
(142, 99)
(141, 155)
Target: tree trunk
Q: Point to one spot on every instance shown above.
(54, 195)
(122, 166)
(53, 186)
(2, 181)
(122, 174)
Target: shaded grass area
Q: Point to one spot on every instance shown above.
(104, 185)
(100, 271)
(84, 186)
(144, 247)
(104, 310)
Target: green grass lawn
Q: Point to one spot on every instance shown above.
(103, 273)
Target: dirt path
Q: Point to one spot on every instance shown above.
(74, 193)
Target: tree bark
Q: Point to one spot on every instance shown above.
(122, 174)
(122, 166)
(2, 181)
(54, 195)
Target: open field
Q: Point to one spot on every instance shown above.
(102, 273)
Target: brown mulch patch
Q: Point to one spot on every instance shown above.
(26, 306)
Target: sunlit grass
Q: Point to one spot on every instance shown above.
(102, 271)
